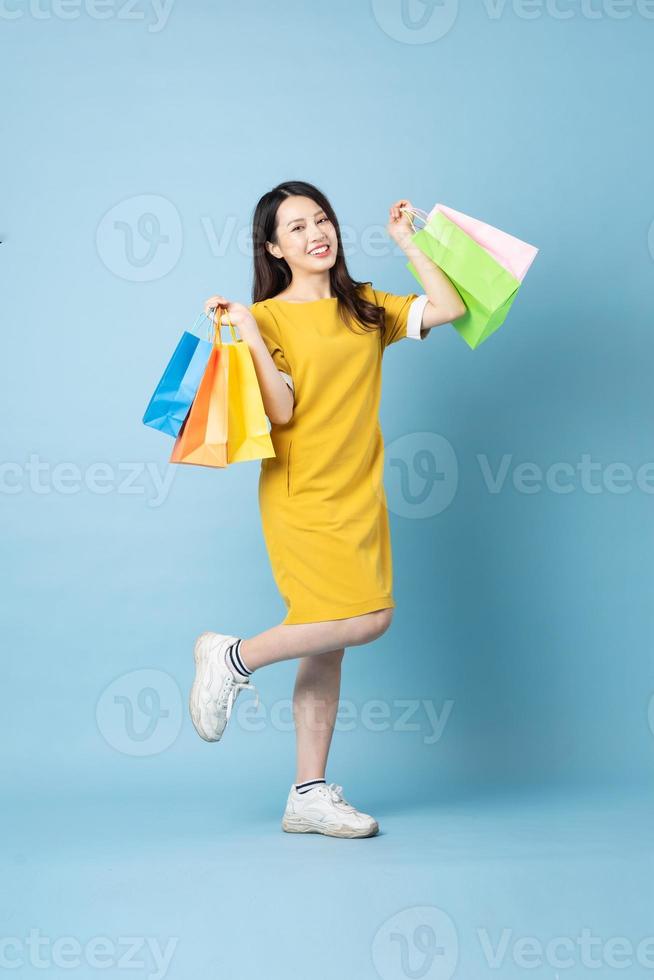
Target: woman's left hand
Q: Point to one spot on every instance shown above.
(399, 227)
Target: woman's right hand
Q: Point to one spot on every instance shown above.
(239, 314)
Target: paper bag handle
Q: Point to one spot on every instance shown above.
(217, 338)
(203, 316)
(413, 213)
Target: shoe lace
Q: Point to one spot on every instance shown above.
(335, 793)
(230, 691)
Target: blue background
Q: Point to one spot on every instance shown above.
(528, 613)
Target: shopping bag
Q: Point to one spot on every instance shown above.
(247, 427)
(487, 288)
(515, 255)
(226, 422)
(179, 383)
(203, 437)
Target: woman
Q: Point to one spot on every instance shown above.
(317, 339)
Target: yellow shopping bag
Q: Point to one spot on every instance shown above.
(227, 421)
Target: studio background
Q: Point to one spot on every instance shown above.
(135, 148)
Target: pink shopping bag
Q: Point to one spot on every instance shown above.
(513, 254)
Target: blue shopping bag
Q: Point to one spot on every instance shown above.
(179, 383)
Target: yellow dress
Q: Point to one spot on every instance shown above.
(322, 499)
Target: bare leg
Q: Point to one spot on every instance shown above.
(306, 639)
(315, 705)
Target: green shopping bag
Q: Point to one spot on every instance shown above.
(486, 287)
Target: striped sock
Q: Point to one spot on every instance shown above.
(310, 784)
(234, 660)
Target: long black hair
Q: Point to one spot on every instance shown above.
(272, 275)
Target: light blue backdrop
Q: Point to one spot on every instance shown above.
(134, 150)
(530, 610)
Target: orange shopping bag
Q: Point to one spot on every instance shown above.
(226, 422)
(203, 437)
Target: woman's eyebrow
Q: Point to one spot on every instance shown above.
(319, 211)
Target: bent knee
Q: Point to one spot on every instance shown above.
(374, 624)
(384, 619)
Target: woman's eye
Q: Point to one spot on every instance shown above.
(299, 227)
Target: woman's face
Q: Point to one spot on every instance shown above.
(306, 237)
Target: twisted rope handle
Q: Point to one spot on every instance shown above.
(203, 316)
(413, 213)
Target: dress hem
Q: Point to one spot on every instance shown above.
(354, 609)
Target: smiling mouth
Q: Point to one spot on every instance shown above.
(320, 251)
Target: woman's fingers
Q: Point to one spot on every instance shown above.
(395, 208)
(213, 302)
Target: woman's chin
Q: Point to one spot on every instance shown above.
(321, 265)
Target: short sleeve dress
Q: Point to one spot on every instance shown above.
(321, 497)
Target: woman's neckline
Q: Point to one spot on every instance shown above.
(304, 302)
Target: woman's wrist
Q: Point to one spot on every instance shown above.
(251, 335)
(404, 241)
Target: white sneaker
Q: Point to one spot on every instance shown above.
(323, 810)
(215, 688)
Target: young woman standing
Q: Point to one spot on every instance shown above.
(317, 338)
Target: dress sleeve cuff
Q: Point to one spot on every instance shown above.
(414, 322)
(288, 379)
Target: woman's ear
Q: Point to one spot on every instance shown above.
(271, 248)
